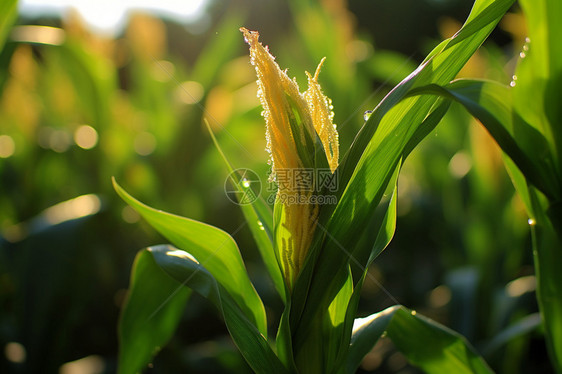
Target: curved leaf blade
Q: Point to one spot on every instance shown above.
(214, 248)
(381, 241)
(426, 344)
(259, 217)
(491, 103)
(8, 14)
(150, 315)
(377, 150)
(187, 271)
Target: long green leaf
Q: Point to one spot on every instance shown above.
(187, 271)
(491, 103)
(335, 323)
(425, 343)
(537, 89)
(368, 167)
(151, 313)
(536, 98)
(523, 326)
(381, 241)
(214, 248)
(8, 14)
(547, 252)
(259, 217)
(385, 136)
(364, 252)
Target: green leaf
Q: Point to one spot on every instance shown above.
(381, 241)
(8, 14)
(491, 104)
(284, 340)
(547, 244)
(150, 315)
(425, 343)
(396, 115)
(214, 248)
(259, 217)
(334, 320)
(536, 98)
(523, 326)
(386, 135)
(382, 225)
(367, 169)
(539, 73)
(187, 271)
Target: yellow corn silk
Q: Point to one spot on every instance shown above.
(297, 125)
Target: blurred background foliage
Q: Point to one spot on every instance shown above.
(78, 107)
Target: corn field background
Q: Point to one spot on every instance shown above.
(78, 108)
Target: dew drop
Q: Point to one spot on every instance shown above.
(525, 47)
(367, 114)
(260, 224)
(531, 222)
(246, 183)
(527, 40)
(513, 79)
(414, 312)
(522, 55)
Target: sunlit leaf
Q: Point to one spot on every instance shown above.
(491, 103)
(537, 101)
(187, 271)
(213, 248)
(425, 343)
(150, 315)
(378, 148)
(259, 217)
(8, 14)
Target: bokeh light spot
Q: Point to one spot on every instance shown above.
(460, 165)
(162, 70)
(7, 146)
(89, 364)
(38, 34)
(189, 92)
(440, 296)
(78, 207)
(86, 137)
(522, 285)
(145, 143)
(130, 215)
(59, 140)
(15, 352)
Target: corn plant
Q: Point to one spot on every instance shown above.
(524, 118)
(309, 248)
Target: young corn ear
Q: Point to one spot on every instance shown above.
(294, 123)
